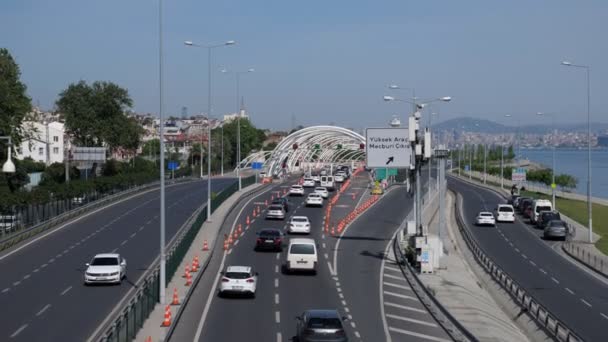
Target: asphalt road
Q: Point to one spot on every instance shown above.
(574, 296)
(41, 288)
(347, 279)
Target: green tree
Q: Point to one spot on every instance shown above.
(95, 114)
(151, 148)
(14, 102)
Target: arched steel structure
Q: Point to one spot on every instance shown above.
(316, 146)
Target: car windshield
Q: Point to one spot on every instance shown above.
(299, 219)
(275, 207)
(505, 209)
(320, 189)
(237, 275)
(539, 209)
(296, 187)
(302, 248)
(314, 195)
(485, 214)
(105, 261)
(324, 323)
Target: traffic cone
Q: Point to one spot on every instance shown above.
(248, 220)
(189, 280)
(333, 230)
(230, 239)
(186, 271)
(175, 300)
(265, 202)
(225, 245)
(205, 245)
(148, 339)
(253, 213)
(167, 320)
(236, 234)
(195, 262)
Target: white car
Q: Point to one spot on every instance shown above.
(316, 178)
(309, 183)
(239, 280)
(322, 191)
(296, 190)
(485, 218)
(339, 177)
(299, 224)
(314, 199)
(105, 268)
(505, 213)
(301, 255)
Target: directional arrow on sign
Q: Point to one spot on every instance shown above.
(390, 160)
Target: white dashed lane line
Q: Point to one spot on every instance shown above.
(555, 280)
(277, 317)
(18, 331)
(276, 282)
(46, 307)
(570, 291)
(6, 290)
(276, 298)
(585, 302)
(606, 317)
(65, 291)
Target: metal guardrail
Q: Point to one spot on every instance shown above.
(597, 263)
(131, 318)
(16, 237)
(543, 317)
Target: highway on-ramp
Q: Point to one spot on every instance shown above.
(575, 297)
(41, 289)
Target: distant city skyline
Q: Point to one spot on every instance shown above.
(320, 62)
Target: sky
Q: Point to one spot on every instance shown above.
(322, 62)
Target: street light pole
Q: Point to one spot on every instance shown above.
(209, 48)
(589, 204)
(502, 160)
(553, 155)
(162, 154)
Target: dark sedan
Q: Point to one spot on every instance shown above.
(269, 239)
(320, 325)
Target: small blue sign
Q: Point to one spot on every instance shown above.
(172, 165)
(257, 165)
(467, 168)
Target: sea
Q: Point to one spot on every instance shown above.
(574, 162)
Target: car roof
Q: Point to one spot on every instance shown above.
(107, 255)
(322, 313)
(238, 269)
(302, 241)
(299, 217)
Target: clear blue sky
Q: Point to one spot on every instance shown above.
(322, 61)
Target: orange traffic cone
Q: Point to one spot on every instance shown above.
(253, 213)
(186, 271)
(205, 245)
(236, 234)
(195, 264)
(248, 220)
(229, 239)
(225, 245)
(148, 339)
(175, 300)
(240, 228)
(167, 320)
(189, 280)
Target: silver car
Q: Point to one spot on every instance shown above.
(275, 212)
(556, 229)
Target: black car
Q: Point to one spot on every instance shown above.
(269, 239)
(520, 203)
(320, 325)
(282, 201)
(546, 216)
(523, 204)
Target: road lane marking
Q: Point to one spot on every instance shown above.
(6, 290)
(399, 306)
(343, 303)
(276, 268)
(123, 243)
(399, 295)
(397, 286)
(65, 291)
(606, 317)
(331, 270)
(276, 282)
(276, 298)
(352, 324)
(555, 280)
(133, 235)
(341, 296)
(43, 309)
(278, 256)
(326, 256)
(277, 316)
(52, 260)
(236, 243)
(323, 244)
(544, 272)
(346, 309)
(394, 269)
(279, 337)
(338, 284)
(571, 292)
(533, 263)
(43, 265)
(517, 250)
(357, 334)
(417, 321)
(26, 276)
(424, 336)
(114, 250)
(524, 256)
(17, 283)
(585, 302)
(392, 276)
(18, 331)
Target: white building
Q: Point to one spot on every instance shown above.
(45, 143)
(233, 116)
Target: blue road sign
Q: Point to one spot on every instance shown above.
(257, 165)
(172, 165)
(467, 168)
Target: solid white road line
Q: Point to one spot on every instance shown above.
(423, 336)
(398, 306)
(65, 291)
(43, 309)
(236, 243)
(399, 295)
(18, 331)
(417, 321)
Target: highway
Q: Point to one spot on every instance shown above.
(41, 288)
(348, 279)
(575, 297)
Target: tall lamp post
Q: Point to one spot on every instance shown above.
(553, 185)
(238, 118)
(589, 205)
(209, 49)
(163, 256)
(502, 160)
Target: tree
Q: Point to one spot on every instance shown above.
(95, 114)
(14, 102)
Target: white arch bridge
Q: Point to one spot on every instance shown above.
(311, 147)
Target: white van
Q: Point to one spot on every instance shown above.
(538, 206)
(327, 182)
(505, 213)
(301, 255)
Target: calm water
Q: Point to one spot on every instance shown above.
(574, 162)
